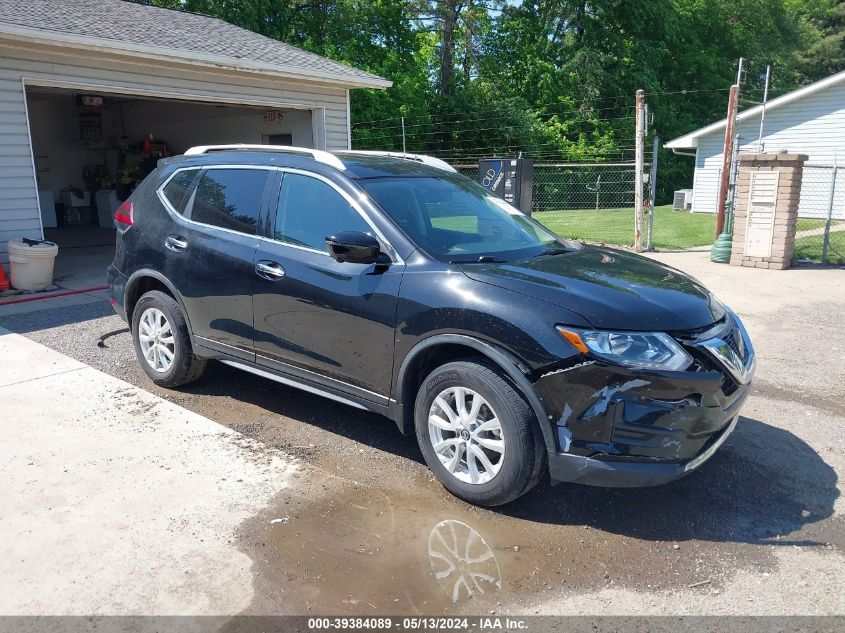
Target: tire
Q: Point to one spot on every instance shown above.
(184, 367)
(518, 467)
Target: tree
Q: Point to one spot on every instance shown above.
(826, 55)
(554, 78)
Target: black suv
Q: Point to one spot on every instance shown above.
(393, 284)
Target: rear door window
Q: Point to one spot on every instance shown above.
(230, 198)
(177, 187)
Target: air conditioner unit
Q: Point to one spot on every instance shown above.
(682, 200)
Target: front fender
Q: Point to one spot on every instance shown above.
(442, 306)
(517, 371)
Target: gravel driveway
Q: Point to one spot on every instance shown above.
(758, 530)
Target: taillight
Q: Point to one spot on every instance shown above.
(125, 214)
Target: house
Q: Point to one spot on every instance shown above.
(810, 120)
(93, 92)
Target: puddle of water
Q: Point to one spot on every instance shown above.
(360, 550)
(366, 550)
(403, 545)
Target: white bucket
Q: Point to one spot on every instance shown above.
(31, 267)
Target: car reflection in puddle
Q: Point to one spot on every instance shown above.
(354, 549)
(462, 561)
(359, 550)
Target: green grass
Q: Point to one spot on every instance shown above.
(804, 224)
(672, 229)
(810, 247)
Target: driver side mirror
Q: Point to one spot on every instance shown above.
(354, 247)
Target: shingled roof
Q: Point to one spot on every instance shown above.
(137, 28)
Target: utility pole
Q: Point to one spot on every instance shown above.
(639, 165)
(727, 151)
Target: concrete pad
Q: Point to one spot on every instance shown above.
(82, 267)
(25, 360)
(116, 501)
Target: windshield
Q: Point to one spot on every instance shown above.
(457, 220)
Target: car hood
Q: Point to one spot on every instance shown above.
(611, 289)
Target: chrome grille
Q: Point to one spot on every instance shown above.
(732, 349)
(734, 340)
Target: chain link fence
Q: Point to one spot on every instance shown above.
(595, 203)
(820, 228)
(581, 190)
(590, 202)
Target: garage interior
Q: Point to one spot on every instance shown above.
(92, 149)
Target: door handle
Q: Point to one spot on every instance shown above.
(271, 271)
(175, 243)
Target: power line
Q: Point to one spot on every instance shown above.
(484, 118)
(526, 147)
(511, 148)
(537, 108)
(502, 109)
(685, 91)
(538, 155)
(469, 132)
(508, 109)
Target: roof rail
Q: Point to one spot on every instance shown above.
(431, 161)
(316, 154)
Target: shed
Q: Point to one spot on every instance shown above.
(93, 92)
(810, 120)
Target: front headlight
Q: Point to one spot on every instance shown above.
(646, 350)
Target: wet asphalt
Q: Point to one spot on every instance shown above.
(366, 529)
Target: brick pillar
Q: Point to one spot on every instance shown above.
(770, 241)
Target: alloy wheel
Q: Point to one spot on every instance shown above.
(155, 337)
(466, 435)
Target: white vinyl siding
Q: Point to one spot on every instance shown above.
(812, 125)
(19, 212)
(708, 169)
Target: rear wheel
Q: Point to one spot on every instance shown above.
(162, 342)
(477, 434)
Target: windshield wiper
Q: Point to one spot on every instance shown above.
(553, 251)
(483, 259)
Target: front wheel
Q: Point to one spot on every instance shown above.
(477, 434)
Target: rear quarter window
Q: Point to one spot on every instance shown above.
(177, 187)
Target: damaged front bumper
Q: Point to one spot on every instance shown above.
(621, 427)
(610, 472)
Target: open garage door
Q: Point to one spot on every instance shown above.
(92, 149)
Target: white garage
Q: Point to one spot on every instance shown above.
(93, 92)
